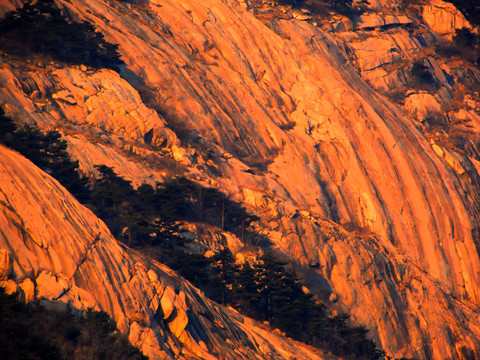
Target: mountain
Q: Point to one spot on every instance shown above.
(353, 138)
(56, 250)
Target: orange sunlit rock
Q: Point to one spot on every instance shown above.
(320, 129)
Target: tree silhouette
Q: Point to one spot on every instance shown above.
(47, 151)
(39, 27)
(224, 271)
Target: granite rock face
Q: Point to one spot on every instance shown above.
(444, 18)
(292, 120)
(57, 251)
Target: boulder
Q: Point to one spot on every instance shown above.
(27, 288)
(48, 286)
(167, 302)
(444, 18)
(422, 105)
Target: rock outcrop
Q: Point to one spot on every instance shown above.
(287, 120)
(55, 250)
(444, 18)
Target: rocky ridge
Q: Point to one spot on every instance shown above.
(296, 124)
(55, 250)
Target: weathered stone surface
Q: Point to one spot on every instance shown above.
(167, 302)
(5, 264)
(179, 323)
(422, 105)
(351, 158)
(444, 18)
(76, 262)
(48, 286)
(374, 52)
(90, 154)
(10, 286)
(381, 4)
(101, 100)
(27, 288)
(66, 96)
(372, 21)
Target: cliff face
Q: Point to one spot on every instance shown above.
(292, 117)
(52, 248)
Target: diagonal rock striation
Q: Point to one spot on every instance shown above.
(292, 123)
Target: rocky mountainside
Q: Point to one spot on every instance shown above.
(363, 174)
(56, 250)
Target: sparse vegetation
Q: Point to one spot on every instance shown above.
(322, 8)
(46, 150)
(340, 3)
(397, 96)
(421, 73)
(268, 291)
(32, 332)
(421, 77)
(465, 45)
(40, 28)
(149, 219)
(289, 2)
(469, 8)
(144, 211)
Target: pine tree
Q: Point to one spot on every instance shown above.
(195, 268)
(247, 291)
(176, 199)
(7, 129)
(62, 168)
(270, 277)
(47, 151)
(40, 27)
(111, 190)
(224, 270)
